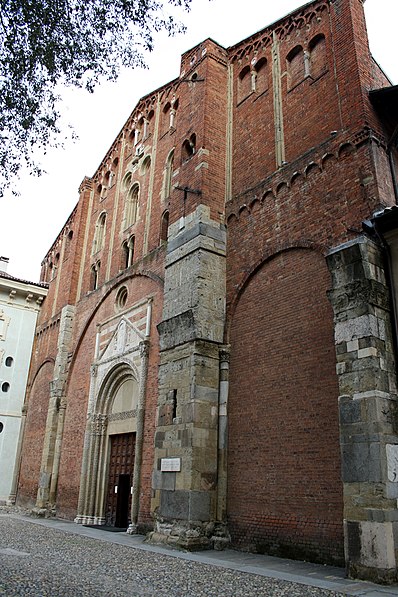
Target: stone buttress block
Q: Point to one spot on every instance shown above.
(367, 409)
(191, 333)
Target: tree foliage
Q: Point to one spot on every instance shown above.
(44, 43)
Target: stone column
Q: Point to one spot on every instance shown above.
(49, 463)
(57, 454)
(43, 492)
(99, 481)
(98, 430)
(135, 501)
(221, 536)
(81, 508)
(223, 434)
(191, 333)
(367, 409)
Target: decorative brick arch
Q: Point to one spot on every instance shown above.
(268, 255)
(282, 409)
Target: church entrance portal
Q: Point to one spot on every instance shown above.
(121, 466)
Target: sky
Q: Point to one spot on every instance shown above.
(30, 223)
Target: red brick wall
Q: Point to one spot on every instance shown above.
(284, 480)
(37, 406)
(283, 399)
(97, 307)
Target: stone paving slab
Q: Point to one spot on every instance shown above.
(56, 543)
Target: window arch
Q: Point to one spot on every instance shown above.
(106, 184)
(168, 175)
(131, 137)
(55, 265)
(131, 206)
(244, 83)
(166, 118)
(261, 70)
(173, 112)
(189, 147)
(317, 49)
(99, 236)
(121, 298)
(295, 66)
(128, 252)
(164, 226)
(147, 125)
(95, 270)
(127, 181)
(146, 165)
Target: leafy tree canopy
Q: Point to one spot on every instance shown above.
(44, 43)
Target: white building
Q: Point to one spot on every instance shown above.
(20, 303)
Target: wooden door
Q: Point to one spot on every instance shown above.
(121, 467)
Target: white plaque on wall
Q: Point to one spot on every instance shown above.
(170, 465)
(392, 462)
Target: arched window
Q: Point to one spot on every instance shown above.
(295, 66)
(261, 70)
(5, 386)
(99, 235)
(147, 125)
(55, 265)
(164, 226)
(166, 118)
(317, 48)
(146, 165)
(106, 184)
(9, 361)
(131, 138)
(95, 269)
(168, 175)
(128, 252)
(131, 206)
(173, 112)
(189, 147)
(43, 271)
(244, 84)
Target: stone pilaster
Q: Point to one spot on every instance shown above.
(367, 408)
(139, 443)
(191, 333)
(51, 454)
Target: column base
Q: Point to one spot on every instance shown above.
(133, 529)
(190, 536)
(376, 575)
(370, 551)
(41, 512)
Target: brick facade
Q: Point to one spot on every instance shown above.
(194, 267)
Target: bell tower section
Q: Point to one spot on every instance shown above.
(186, 470)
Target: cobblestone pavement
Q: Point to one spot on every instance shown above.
(36, 560)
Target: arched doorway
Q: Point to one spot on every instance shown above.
(121, 449)
(109, 451)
